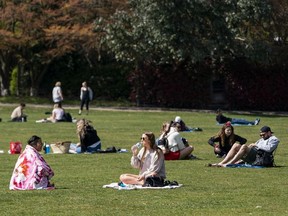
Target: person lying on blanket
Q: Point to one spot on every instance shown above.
(247, 153)
(221, 119)
(149, 160)
(31, 170)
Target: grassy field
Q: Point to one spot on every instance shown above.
(79, 178)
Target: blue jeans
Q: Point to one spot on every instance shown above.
(242, 122)
(90, 149)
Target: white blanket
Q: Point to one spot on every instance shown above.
(137, 187)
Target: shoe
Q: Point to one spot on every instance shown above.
(191, 157)
(257, 121)
(218, 156)
(80, 112)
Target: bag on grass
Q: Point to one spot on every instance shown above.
(61, 147)
(264, 158)
(15, 147)
(153, 181)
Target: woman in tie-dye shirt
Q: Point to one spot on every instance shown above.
(31, 170)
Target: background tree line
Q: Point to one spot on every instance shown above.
(176, 53)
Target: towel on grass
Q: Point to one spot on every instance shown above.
(243, 166)
(138, 187)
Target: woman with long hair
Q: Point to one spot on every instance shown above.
(225, 139)
(149, 160)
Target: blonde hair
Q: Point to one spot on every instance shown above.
(81, 126)
(58, 83)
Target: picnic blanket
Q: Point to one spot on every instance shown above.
(236, 124)
(243, 166)
(138, 187)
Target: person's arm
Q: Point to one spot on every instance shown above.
(268, 145)
(156, 164)
(240, 139)
(212, 140)
(136, 158)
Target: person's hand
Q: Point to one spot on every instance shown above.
(134, 150)
(140, 178)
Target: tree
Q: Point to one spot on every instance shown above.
(37, 32)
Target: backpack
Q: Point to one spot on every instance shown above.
(264, 158)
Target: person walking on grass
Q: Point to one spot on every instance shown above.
(86, 95)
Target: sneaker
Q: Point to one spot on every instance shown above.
(80, 112)
(257, 121)
(191, 157)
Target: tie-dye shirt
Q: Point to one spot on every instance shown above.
(31, 171)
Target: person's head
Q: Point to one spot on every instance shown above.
(35, 142)
(81, 125)
(148, 140)
(58, 84)
(177, 125)
(218, 112)
(166, 127)
(84, 84)
(227, 131)
(22, 105)
(56, 105)
(265, 132)
(178, 119)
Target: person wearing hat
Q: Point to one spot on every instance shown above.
(247, 153)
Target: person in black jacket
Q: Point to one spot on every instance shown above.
(225, 139)
(89, 139)
(221, 119)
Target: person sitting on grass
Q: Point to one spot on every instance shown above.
(221, 119)
(178, 147)
(31, 170)
(57, 115)
(247, 153)
(18, 115)
(88, 137)
(149, 160)
(225, 139)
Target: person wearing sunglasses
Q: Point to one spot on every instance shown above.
(149, 160)
(31, 170)
(247, 153)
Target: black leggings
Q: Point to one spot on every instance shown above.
(86, 102)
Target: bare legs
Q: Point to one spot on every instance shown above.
(131, 179)
(235, 154)
(184, 153)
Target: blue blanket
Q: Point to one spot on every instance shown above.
(243, 166)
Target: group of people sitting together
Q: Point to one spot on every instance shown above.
(150, 159)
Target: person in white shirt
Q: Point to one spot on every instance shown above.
(247, 153)
(149, 160)
(57, 115)
(57, 93)
(18, 115)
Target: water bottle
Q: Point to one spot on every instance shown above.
(138, 145)
(47, 149)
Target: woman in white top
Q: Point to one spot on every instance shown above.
(149, 160)
(57, 115)
(57, 93)
(177, 149)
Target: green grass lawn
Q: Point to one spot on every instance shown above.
(79, 178)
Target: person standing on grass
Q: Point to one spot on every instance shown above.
(225, 139)
(149, 160)
(57, 94)
(31, 170)
(247, 153)
(86, 95)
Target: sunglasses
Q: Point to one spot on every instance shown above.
(142, 138)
